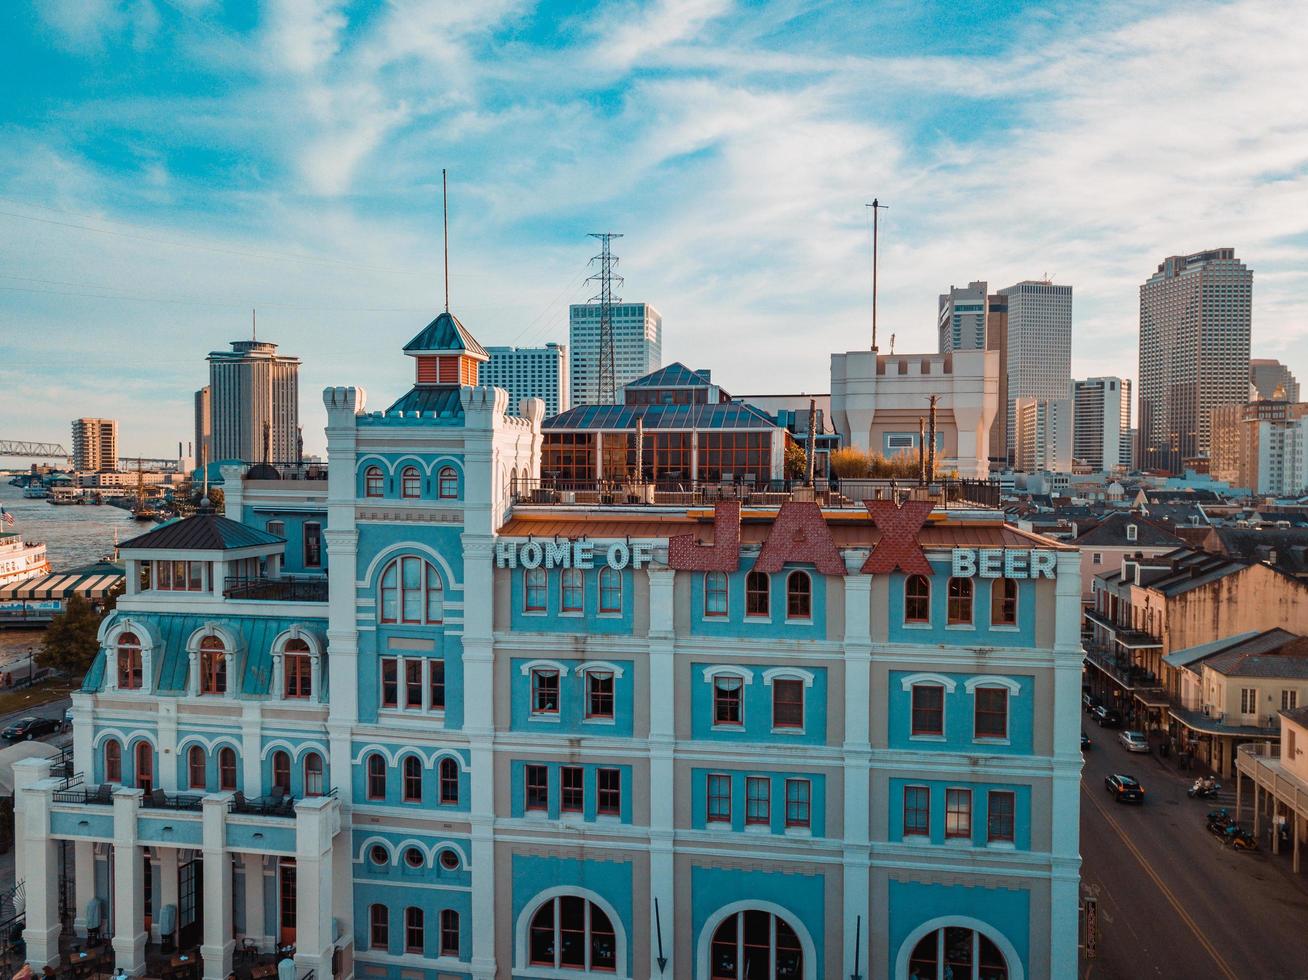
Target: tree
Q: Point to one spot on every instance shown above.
(796, 461)
(70, 641)
(849, 463)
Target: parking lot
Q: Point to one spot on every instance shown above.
(1172, 901)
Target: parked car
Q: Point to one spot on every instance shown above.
(1124, 788)
(1089, 701)
(1134, 741)
(1085, 741)
(1107, 717)
(30, 727)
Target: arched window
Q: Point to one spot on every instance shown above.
(372, 482)
(449, 777)
(610, 590)
(213, 666)
(313, 774)
(113, 761)
(960, 602)
(1003, 602)
(297, 669)
(449, 932)
(376, 777)
(281, 773)
(958, 953)
(533, 589)
(752, 944)
(195, 765)
(799, 596)
(447, 482)
(728, 700)
(410, 482)
(412, 779)
(226, 768)
(411, 592)
(715, 594)
(413, 930)
(917, 599)
(758, 587)
(144, 766)
(569, 933)
(129, 662)
(571, 590)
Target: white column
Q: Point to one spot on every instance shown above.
(217, 943)
(83, 883)
(662, 742)
(856, 751)
(478, 725)
(129, 885)
(166, 713)
(83, 734)
(168, 884)
(252, 748)
(316, 822)
(255, 928)
(36, 860)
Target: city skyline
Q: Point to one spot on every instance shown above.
(292, 165)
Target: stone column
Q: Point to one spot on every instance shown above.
(252, 748)
(662, 759)
(255, 927)
(83, 883)
(36, 859)
(168, 884)
(856, 751)
(317, 821)
(83, 735)
(218, 943)
(129, 885)
(166, 713)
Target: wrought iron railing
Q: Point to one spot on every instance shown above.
(161, 800)
(289, 471)
(266, 589)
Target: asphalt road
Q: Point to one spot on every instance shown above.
(1172, 901)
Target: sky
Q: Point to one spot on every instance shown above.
(166, 166)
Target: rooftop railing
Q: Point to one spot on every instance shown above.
(261, 588)
(834, 493)
(288, 471)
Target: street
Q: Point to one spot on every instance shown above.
(1172, 901)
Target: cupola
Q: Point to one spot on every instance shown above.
(446, 354)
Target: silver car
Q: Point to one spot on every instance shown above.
(1134, 741)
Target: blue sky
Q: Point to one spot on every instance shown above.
(166, 165)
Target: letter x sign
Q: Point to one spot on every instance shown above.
(899, 547)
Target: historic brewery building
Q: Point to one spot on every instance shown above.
(436, 715)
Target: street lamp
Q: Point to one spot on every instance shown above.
(30, 666)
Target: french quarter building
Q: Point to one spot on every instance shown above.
(429, 719)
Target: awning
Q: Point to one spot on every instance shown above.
(61, 585)
(1138, 640)
(1198, 722)
(1100, 620)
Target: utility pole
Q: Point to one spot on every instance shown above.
(921, 450)
(876, 207)
(931, 438)
(607, 393)
(812, 442)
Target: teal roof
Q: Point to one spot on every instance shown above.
(445, 333)
(440, 403)
(203, 532)
(171, 633)
(674, 375)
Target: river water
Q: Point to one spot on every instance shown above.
(74, 536)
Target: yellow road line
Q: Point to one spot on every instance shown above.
(1167, 892)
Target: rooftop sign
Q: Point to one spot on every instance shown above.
(572, 554)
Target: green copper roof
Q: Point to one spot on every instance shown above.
(204, 532)
(445, 333)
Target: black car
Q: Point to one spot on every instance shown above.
(1089, 701)
(29, 728)
(1085, 741)
(1124, 788)
(1108, 717)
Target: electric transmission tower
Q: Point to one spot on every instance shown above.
(607, 390)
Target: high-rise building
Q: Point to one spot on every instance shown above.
(530, 372)
(95, 444)
(253, 390)
(1267, 374)
(961, 318)
(1043, 435)
(637, 347)
(1261, 446)
(997, 340)
(1194, 353)
(203, 427)
(1101, 423)
(1038, 345)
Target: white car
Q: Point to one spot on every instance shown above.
(1134, 741)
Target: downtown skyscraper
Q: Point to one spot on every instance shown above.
(253, 396)
(1195, 315)
(1037, 346)
(637, 347)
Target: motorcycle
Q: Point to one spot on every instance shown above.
(1204, 788)
(1239, 839)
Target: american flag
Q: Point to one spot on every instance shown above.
(8, 517)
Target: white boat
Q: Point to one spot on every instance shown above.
(36, 492)
(21, 560)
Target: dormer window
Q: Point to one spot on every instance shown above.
(213, 666)
(129, 662)
(1132, 532)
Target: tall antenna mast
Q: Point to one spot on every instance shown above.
(254, 326)
(876, 207)
(607, 392)
(445, 208)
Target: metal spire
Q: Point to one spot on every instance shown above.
(445, 208)
(876, 207)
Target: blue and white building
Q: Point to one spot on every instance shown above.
(420, 726)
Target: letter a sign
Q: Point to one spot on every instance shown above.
(899, 547)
